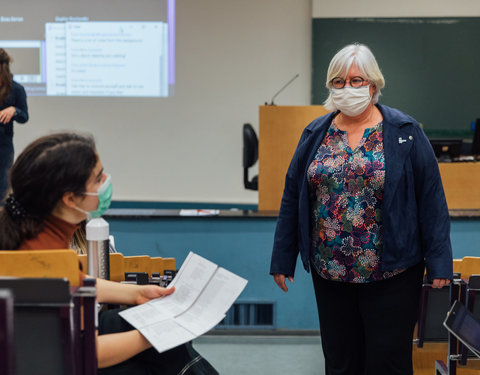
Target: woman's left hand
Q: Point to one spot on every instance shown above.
(149, 292)
(7, 114)
(440, 283)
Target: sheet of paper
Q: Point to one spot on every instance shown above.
(214, 301)
(143, 315)
(189, 282)
(191, 279)
(166, 335)
(203, 294)
(201, 212)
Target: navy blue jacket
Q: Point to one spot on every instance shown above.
(416, 222)
(17, 99)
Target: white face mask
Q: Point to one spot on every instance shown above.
(352, 101)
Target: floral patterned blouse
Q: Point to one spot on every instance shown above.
(346, 195)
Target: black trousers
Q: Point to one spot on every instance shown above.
(183, 359)
(367, 329)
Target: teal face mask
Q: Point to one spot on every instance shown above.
(104, 194)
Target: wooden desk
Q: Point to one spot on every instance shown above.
(279, 132)
(461, 182)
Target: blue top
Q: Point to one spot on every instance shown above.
(416, 222)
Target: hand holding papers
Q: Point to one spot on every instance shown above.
(203, 294)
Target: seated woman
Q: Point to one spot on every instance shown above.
(57, 182)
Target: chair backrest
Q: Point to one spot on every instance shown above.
(6, 332)
(472, 301)
(82, 258)
(45, 308)
(470, 266)
(458, 266)
(159, 265)
(120, 264)
(116, 262)
(117, 267)
(45, 335)
(137, 263)
(169, 264)
(473, 295)
(250, 155)
(437, 305)
(43, 343)
(434, 304)
(41, 263)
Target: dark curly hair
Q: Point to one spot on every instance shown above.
(47, 169)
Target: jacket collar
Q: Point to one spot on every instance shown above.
(390, 115)
(397, 143)
(323, 122)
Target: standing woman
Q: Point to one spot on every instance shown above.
(364, 205)
(13, 107)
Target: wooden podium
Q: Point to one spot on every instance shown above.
(280, 128)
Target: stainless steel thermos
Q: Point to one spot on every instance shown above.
(98, 258)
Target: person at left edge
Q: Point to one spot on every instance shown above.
(13, 107)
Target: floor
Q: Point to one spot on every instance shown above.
(251, 355)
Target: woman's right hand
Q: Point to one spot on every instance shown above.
(7, 114)
(280, 280)
(128, 294)
(149, 292)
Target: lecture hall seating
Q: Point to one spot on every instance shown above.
(46, 285)
(425, 359)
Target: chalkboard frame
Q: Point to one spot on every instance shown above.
(431, 66)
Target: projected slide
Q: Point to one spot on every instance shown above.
(129, 54)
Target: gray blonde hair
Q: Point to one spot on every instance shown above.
(363, 58)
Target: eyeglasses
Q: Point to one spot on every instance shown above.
(339, 83)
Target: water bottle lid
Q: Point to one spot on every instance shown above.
(97, 230)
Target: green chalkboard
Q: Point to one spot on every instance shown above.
(431, 66)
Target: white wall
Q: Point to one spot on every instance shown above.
(395, 8)
(232, 56)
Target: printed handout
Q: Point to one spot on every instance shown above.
(203, 294)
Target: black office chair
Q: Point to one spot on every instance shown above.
(250, 155)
